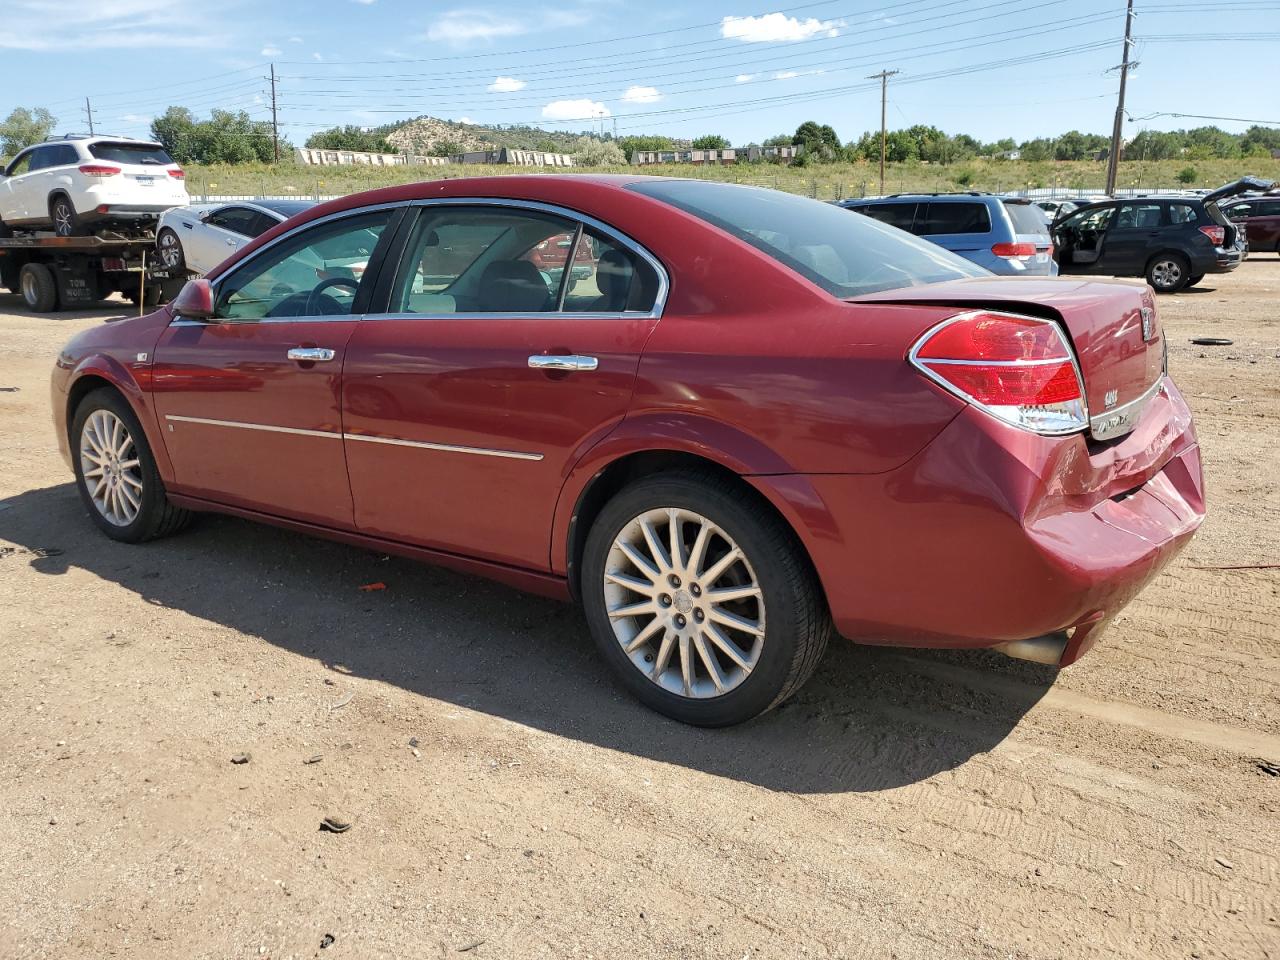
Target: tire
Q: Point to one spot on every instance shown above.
(135, 470)
(62, 214)
(39, 288)
(5, 230)
(169, 251)
(787, 615)
(1194, 280)
(150, 297)
(1168, 272)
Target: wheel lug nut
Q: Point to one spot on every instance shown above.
(699, 615)
(666, 599)
(675, 581)
(680, 620)
(695, 590)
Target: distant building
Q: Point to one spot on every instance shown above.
(720, 157)
(504, 155)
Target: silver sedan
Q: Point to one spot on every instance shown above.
(197, 238)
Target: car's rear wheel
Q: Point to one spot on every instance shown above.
(701, 599)
(38, 287)
(1168, 272)
(63, 216)
(116, 472)
(169, 248)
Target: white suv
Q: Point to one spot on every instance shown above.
(76, 184)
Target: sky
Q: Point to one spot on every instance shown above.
(744, 69)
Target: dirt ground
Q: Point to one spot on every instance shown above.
(509, 801)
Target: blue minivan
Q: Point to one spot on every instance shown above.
(1007, 235)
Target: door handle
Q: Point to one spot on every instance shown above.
(311, 354)
(574, 363)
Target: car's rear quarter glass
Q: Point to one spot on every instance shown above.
(954, 217)
(130, 153)
(1027, 218)
(845, 255)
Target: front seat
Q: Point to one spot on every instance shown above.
(614, 274)
(512, 286)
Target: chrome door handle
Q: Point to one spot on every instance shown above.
(312, 354)
(540, 362)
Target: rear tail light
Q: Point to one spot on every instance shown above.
(1217, 234)
(1018, 369)
(177, 173)
(98, 170)
(1014, 249)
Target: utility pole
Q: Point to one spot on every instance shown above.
(883, 76)
(275, 126)
(1113, 157)
(88, 110)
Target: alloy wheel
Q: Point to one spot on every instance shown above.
(170, 252)
(29, 292)
(684, 603)
(1166, 274)
(63, 218)
(111, 468)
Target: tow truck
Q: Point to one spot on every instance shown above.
(62, 273)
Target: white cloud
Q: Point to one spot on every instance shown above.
(466, 120)
(107, 25)
(295, 40)
(785, 75)
(744, 78)
(316, 57)
(575, 110)
(270, 50)
(365, 3)
(464, 26)
(506, 85)
(136, 118)
(638, 94)
(776, 28)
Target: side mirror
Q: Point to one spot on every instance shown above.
(195, 301)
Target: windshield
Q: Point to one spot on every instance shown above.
(845, 254)
(145, 153)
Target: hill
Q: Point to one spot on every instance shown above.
(429, 135)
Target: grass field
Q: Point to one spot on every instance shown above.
(826, 182)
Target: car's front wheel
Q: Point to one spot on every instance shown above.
(170, 251)
(701, 599)
(1168, 272)
(116, 472)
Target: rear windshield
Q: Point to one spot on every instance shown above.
(130, 153)
(846, 255)
(1027, 218)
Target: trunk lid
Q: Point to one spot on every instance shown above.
(1112, 325)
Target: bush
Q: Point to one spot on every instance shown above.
(962, 178)
(1188, 175)
(590, 152)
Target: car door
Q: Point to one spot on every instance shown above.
(1078, 239)
(28, 203)
(249, 402)
(224, 232)
(1135, 233)
(1264, 226)
(13, 207)
(467, 402)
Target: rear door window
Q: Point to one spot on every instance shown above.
(957, 217)
(40, 159)
(1182, 213)
(21, 165)
(1027, 218)
(900, 215)
(606, 277)
(141, 153)
(1139, 216)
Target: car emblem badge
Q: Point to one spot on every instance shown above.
(1110, 399)
(1148, 322)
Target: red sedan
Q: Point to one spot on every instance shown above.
(759, 420)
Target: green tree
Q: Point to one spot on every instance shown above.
(591, 152)
(778, 140)
(445, 148)
(1260, 140)
(226, 137)
(1188, 175)
(1037, 150)
(630, 145)
(175, 129)
(1155, 145)
(711, 141)
(819, 140)
(24, 127)
(350, 138)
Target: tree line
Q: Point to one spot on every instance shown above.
(233, 137)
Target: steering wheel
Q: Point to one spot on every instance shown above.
(313, 298)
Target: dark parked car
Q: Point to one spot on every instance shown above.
(767, 419)
(1260, 216)
(1172, 241)
(1006, 235)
